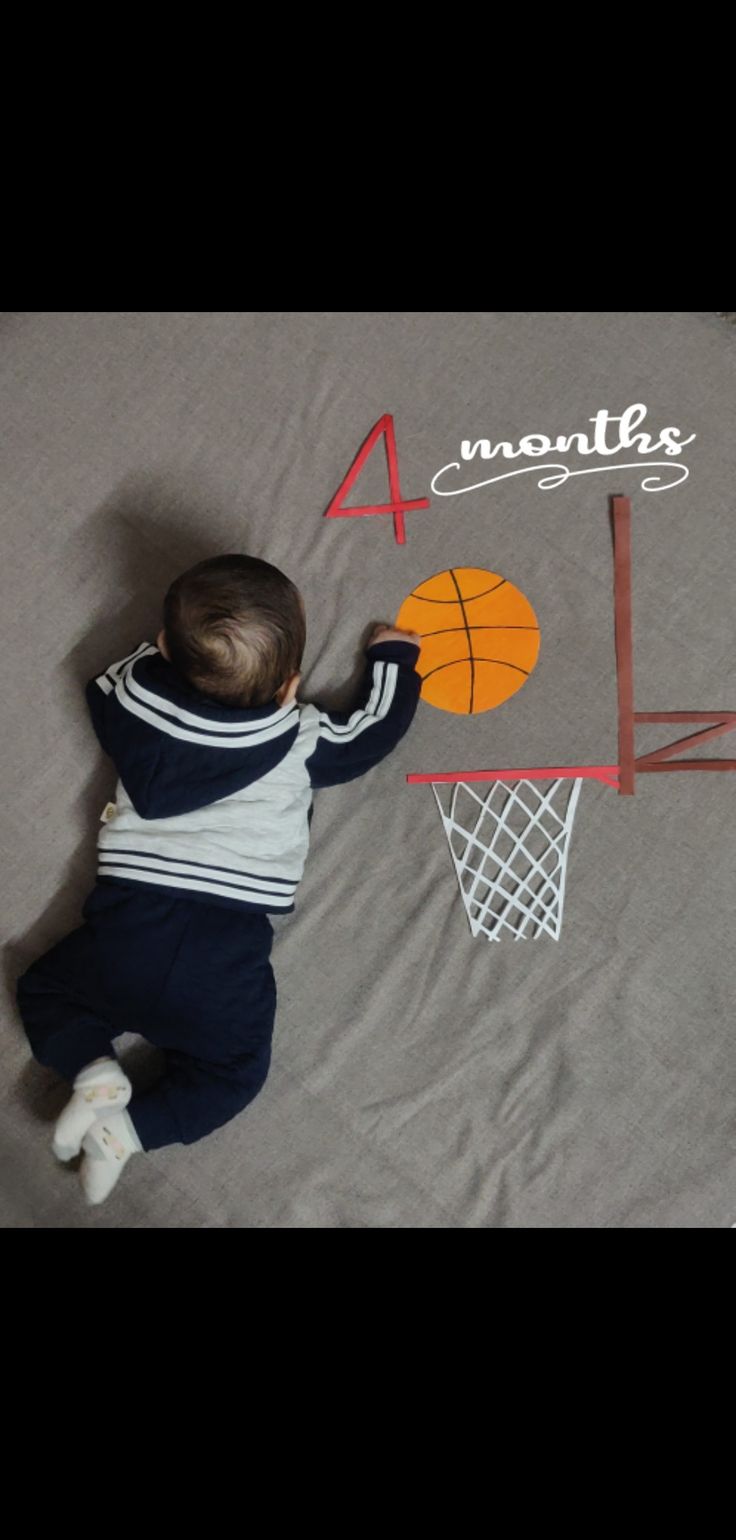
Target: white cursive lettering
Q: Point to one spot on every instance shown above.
(536, 445)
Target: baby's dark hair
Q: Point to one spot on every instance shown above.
(235, 629)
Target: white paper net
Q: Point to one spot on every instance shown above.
(509, 842)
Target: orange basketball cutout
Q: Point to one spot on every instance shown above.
(480, 638)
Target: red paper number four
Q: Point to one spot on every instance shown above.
(398, 507)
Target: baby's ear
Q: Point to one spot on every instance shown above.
(287, 692)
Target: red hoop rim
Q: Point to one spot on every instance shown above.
(608, 775)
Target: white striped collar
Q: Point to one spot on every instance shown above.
(221, 728)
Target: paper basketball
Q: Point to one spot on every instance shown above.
(480, 638)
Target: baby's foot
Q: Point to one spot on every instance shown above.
(107, 1146)
(99, 1088)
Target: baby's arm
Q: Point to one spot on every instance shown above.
(350, 743)
(388, 634)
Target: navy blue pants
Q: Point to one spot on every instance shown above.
(193, 978)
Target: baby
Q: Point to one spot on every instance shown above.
(207, 837)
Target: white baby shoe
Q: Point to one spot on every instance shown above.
(100, 1088)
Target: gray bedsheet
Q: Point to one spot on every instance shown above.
(421, 1078)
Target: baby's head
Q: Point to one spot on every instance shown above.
(234, 628)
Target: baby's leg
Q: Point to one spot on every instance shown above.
(194, 979)
(214, 1023)
(66, 1018)
(196, 1096)
(193, 1097)
(63, 1008)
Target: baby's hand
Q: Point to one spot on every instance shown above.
(389, 634)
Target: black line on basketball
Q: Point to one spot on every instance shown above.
(500, 661)
(471, 598)
(470, 642)
(445, 630)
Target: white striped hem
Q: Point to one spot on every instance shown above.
(185, 868)
(191, 884)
